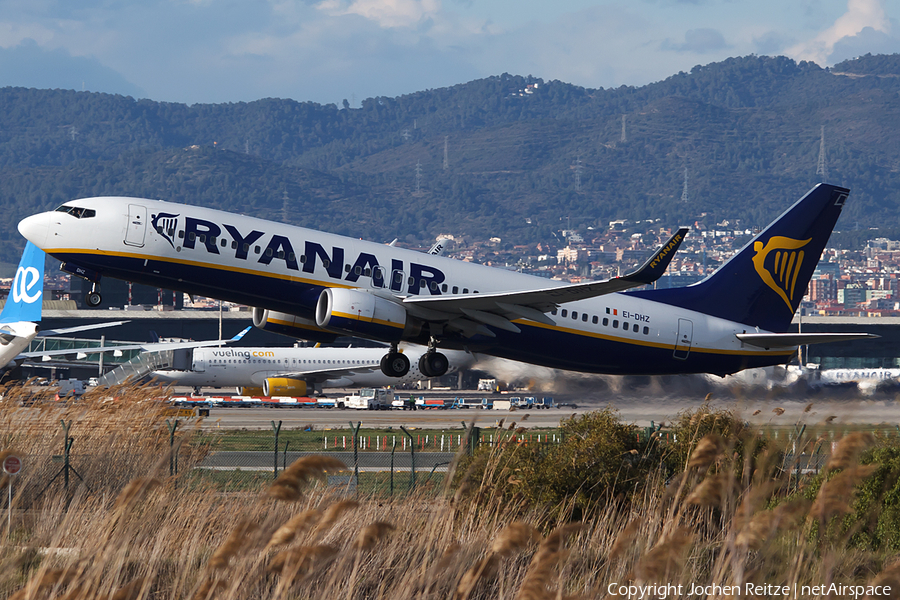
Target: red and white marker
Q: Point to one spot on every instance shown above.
(12, 465)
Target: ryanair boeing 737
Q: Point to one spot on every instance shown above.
(314, 285)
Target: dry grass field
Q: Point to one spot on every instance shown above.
(733, 516)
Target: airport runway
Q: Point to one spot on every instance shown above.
(637, 409)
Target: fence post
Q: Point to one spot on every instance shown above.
(284, 458)
(355, 454)
(67, 446)
(173, 458)
(276, 429)
(412, 455)
(393, 448)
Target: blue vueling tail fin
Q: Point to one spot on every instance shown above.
(26, 295)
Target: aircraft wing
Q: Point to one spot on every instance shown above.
(785, 340)
(146, 347)
(322, 375)
(471, 311)
(78, 328)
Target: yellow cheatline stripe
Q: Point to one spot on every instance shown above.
(332, 284)
(650, 344)
(295, 324)
(353, 317)
(205, 265)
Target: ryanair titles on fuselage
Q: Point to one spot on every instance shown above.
(207, 234)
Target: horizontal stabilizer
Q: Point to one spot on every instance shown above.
(786, 340)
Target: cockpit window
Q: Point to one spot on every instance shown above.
(77, 212)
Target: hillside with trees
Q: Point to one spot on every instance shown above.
(508, 156)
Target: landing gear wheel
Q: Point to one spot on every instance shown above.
(93, 299)
(394, 364)
(433, 364)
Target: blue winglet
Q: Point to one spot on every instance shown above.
(241, 334)
(26, 295)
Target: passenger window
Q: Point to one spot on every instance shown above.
(280, 254)
(224, 242)
(434, 286)
(246, 247)
(422, 283)
(444, 288)
(367, 272)
(465, 290)
(575, 314)
(202, 238)
(553, 312)
(234, 244)
(268, 252)
(646, 330)
(346, 268)
(256, 249)
(594, 319)
(410, 280)
(357, 270)
(455, 289)
(615, 323)
(584, 317)
(181, 234)
(192, 236)
(326, 263)
(564, 313)
(625, 325)
(605, 321)
(636, 327)
(291, 257)
(302, 259)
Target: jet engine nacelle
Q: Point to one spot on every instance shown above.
(283, 386)
(290, 325)
(360, 313)
(249, 391)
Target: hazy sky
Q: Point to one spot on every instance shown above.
(327, 50)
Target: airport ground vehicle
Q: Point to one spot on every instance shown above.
(370, 399)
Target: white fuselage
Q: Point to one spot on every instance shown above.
(250, 367)
(285, 268)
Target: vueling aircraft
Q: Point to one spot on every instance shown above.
(312, 285)
(21, 314)
(297, 371)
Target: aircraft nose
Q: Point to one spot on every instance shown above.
(36, 229)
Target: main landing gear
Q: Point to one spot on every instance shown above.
(93, 297)
(394, 363)
(431, 364)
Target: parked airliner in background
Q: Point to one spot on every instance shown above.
(297, 371)
(311, 284)
(21, 314)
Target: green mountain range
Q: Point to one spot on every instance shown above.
(508, 156)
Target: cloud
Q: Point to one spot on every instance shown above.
(867, 41)
(387, 13)
(860, 15)
(29, 65)
(771, 43)
(698, 41)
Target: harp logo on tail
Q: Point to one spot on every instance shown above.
(778, 265)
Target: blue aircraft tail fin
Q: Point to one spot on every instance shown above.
(762, 285)
(26, 295)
